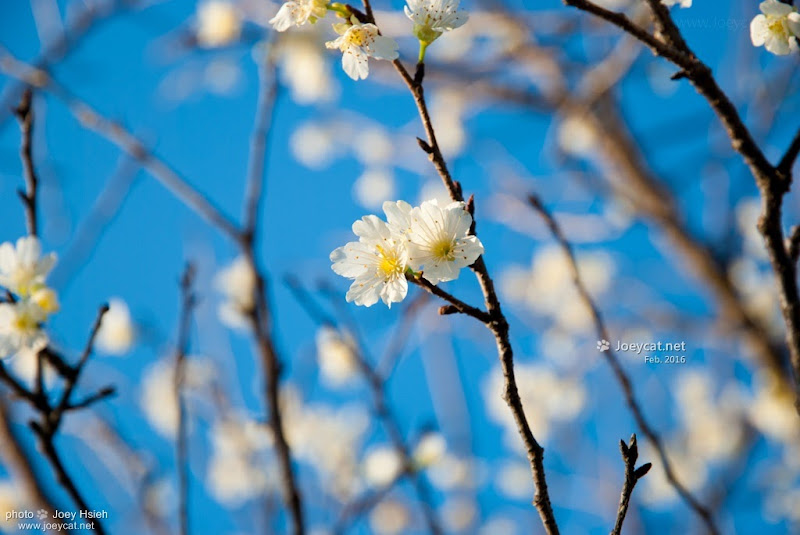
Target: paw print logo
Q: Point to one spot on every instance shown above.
(603, 345)
(42, 514)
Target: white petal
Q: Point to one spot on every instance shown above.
(776, 45)
(283, 19)
(775, 8)
(355, 63)
(383, 48)
(759, 29)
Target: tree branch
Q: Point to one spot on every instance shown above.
(188, 302)
(497, 324)
(630, 454)
(24, 114)
(619, 372)
(122, 138)
(773, 182)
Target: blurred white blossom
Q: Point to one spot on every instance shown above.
(430, 449)
(547, 287)
(23, 269)
(337, 360)
(389, 517)
(556, 400)
(236, 282)
(116, 334)
(382, 465)
(20, 330)
(373, 187)
(218, 23)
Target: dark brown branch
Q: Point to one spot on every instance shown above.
(261, 315)
(497, 324)
(773, 182)
(20, 466)
(459, 305)
(51, 419)
(630, 454)
(793, 244)
(101, 395)
(188, 302)
(790, 157)
(64, 479)
(24, 114)
(619, 372)
(54, 417)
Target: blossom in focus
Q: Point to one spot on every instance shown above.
(218, 23)
(431, 18)
(337, 360)
(439, 241)
(237, 283)
(682, 3)
(23, 269)
(116, 333)
(377, 262)
(298, 12)
(776, 28)
(20, 329)
(358, 42)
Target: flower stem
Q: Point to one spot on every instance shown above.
(423, 46)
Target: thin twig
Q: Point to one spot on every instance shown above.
(24, 114)
(16, 460)
(787, 162)
(377, 386)
(457, 304)
(616, 366)
(188, 302)
(117, 134)
(630, 454)
(497, 324)
(773, 181)
(260, 315)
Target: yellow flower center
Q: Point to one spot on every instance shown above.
(25, 323)
(390, 264)
(444, 250)
(358, 37)
(776, 26)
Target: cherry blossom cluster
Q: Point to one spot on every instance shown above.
(358, 41)
(429, 241)
(29, 302)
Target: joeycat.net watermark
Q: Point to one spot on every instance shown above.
(43, 520)
(651, 352)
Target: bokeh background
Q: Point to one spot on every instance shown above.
(527, 97)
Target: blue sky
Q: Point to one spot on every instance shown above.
(121, 68)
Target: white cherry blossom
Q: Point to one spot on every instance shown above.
(23, 269)
(431, 18)
(298, 12)
(20, 328)
(776, 28)
(377, 262)
(358, 42)
(439, 242)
